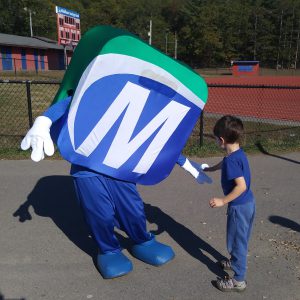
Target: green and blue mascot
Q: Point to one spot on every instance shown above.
(121, 117)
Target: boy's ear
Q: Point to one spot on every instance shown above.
(222, 140)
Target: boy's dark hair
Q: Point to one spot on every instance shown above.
(230, 128)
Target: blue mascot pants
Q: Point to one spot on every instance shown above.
(107, 202)
(239, 226)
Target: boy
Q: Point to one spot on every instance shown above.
(235, 180)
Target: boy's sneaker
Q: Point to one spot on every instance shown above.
(231, 285)
(225, 264)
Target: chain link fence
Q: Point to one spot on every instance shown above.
(271, 116)
(270, 113)
(20, 103)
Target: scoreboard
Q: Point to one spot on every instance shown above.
(68, 27)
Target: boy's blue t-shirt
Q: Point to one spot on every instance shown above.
(236, 165)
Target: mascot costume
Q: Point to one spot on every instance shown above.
(121, 117)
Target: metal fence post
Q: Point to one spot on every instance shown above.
(29, 103)
(201, 129)
(15, 67)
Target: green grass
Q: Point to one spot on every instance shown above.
(258, 137)
(226, 71)
(14, 123)
(14, 118)
(32, 75)
(277, 141)
(193, 149)
(206, 72)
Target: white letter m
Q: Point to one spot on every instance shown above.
(133, 98)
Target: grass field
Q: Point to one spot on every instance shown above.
(259, 136)
(205, 72)
(261, 133)
(226, 72)
(41, 75)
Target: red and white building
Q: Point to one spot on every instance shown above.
(21, 53)
(37, 53)
(68, 27)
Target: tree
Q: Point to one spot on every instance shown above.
(210, 33)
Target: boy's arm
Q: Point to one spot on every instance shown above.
(240, 187)
(214, 168)
(38, 137)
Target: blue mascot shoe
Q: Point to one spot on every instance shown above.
(113, 265)
(153, 252)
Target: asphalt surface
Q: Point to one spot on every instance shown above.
(46, 252)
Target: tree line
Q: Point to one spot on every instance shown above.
(200, 32)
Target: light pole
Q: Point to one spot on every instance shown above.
(30, 20)
(297, 47)
(279, 41)
(166, 38)
(255, 29)
(175, 45)
(150, 32)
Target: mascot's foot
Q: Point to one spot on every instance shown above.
(153, 252)
(113, 265)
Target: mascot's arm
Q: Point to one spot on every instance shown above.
(57, 110)
(195, 169)
(38, 137)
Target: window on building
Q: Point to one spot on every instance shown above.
(69, 20)
(67, 35)
(61, 34)
(77, 26)
(73, 36)
(61, 21)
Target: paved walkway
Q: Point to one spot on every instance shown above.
(46, 252)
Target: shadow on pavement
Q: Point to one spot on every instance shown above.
(189, 241)
(54, 197)
(285, 222)
(264, 151)
(3, 298)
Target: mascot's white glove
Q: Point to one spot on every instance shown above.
(204, 166)
(196, 170)
(189, 168)
(39, 139)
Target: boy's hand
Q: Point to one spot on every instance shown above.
(216, 202)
